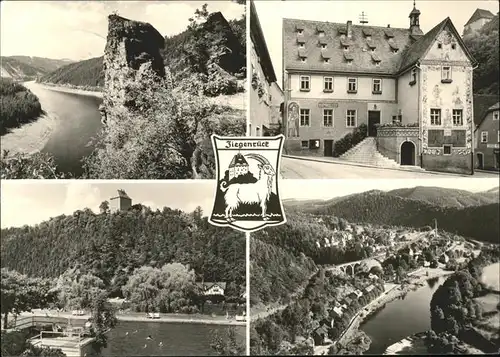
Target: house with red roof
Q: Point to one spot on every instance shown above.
(413, 91)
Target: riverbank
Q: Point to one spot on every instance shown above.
(391, 293)
(72, 90)
(140, 317)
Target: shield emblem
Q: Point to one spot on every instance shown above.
(247, 196)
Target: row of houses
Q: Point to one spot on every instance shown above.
(412, 90)
(320, 332)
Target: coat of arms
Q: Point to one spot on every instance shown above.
(247, 196)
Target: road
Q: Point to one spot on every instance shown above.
(292, 168)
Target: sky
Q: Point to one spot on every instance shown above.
(34, 201)
(379, 13)
(77, 29)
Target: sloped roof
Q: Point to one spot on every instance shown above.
(238, 159)
(361, 58)
(419, 49)
(479, 14)
(494, 107)
(410, 47)
(121, 194)
(208, 285)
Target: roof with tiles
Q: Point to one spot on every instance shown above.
(363, 40)
(370, 49)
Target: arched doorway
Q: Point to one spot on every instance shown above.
(480, 160)
(408, 153)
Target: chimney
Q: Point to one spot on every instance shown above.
(349, 29)
(388, 26)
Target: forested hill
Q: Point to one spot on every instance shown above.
(180, 53)
(483, 45)
(377, 207)
(112, 245)
(27, 67)
(84, 73)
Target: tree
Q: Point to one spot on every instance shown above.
(78, 290)
(226, 343)
(169, 289)
(20, 293)
(104, 207)
(103, 318)
(389, 271)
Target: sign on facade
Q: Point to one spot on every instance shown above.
(493, 146)
(328, 105)
(447, 132)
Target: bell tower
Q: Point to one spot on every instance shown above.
(414, 21)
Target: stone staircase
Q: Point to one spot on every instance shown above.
(366, 153)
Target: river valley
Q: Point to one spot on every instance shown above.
(400, 318)
(65, 131)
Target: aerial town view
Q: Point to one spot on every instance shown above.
(107, 270)
(119, 89)
(368, 93)
(389, 268)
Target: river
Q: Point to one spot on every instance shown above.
(71, 120)
(401, 318)
(177, 339)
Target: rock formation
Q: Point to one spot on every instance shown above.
(231, 60)
(132, 53)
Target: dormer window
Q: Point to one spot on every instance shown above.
(440, 46)
(453, 46)
(349, 62)
(395, 50)
(326, 60)
(321, 33)
(301, 45)
(323, 46)
(377, 64)
(446, 74)
(300, 31)
(369, 37)
(346, 48)
(303, 60)
(373, 50)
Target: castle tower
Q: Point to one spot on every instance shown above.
(238, 166)
(122, 202)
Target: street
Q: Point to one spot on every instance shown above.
(292, 168)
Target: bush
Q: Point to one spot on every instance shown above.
(24, 166)
(350, 140)
(18, 105)
(220, 82)
(159, 139)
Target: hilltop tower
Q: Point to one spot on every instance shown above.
(122, 202)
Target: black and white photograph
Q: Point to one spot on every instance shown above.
(119, 269)
(397, 267)
(390, 89)
(119, 89)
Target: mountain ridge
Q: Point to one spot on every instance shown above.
(376, 207)
(29, 67)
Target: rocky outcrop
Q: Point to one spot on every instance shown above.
(131, 55)
(231, 59)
